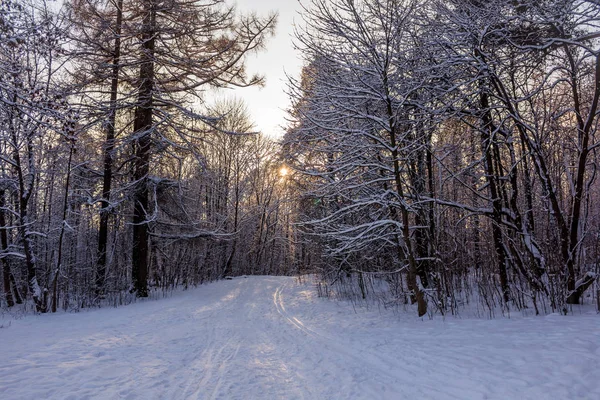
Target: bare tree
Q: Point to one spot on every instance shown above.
(358, 106)
(29, 109)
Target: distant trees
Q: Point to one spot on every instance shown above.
(244, 196)
(438, 128)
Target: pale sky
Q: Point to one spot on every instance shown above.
(267, 105)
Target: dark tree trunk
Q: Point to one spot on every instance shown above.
(109, 146)
(143, 131)
(487, 148)
(583, 129)
(62, 231)
(417, 294)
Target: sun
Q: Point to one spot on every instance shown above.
(284, 171)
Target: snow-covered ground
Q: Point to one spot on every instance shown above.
(272, 338)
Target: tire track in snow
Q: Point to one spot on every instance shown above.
(222, 365)
(230, 346)
(205, 356)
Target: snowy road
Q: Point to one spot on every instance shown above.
(270, 338)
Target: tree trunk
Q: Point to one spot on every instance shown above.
(414, 285)
(62, 231)
(583, 129)
(109, 146)
(486, 149)
(3, 247)
(143, 131)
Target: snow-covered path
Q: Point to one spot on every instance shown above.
(270, 338)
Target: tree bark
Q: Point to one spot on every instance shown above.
(143, 131)
(109, 146)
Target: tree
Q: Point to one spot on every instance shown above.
(30, 107)
(184, 46)
(357, 105)
(97, 34)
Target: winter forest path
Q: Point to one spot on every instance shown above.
(271, 338)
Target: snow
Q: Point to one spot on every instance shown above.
(272, 338)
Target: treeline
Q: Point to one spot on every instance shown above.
(450, 149)
(116, 175)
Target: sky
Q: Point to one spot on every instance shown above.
(267, 105)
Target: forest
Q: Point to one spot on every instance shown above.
(437, 153)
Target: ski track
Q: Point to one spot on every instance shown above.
(271, 338)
